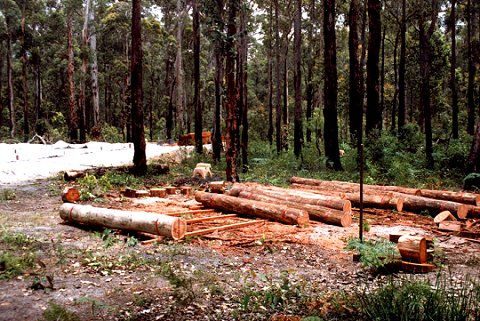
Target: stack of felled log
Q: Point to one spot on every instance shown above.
(457, 211)
(283, 205)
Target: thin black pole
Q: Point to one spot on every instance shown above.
(361, 193)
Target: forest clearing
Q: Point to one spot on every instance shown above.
(232, 260)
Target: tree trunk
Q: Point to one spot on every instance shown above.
(179, 81)
(402, 68)
(231, 122)
(278, 92)
(374, 113)
(330, 88)
(274, 212)
(83, 82)
(425, 64)
(242, 86)
(395, 80)
(94, 68)
(382, 76)
(1, 87)
(26, 122)
(355, 91)
(153, 223)
(136, 83)
(169, 90)
(270, 77)
(297, 80)
(318, 213)
(453, 70)
(473, 160)
(309, 88)
(11, 97)
(73, 119)
(471, 71)
(196, 79)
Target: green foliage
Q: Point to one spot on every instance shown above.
(111, 134)
(405, 300)
(56, 312)
(13, 265)
(108, 237)
(374, 253)
(14, 239)
(7, 194)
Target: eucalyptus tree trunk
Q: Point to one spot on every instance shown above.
(196, 79)
(179, 73)
(94, 67)
(73, 120)
(270, 76)
(471, 71)
(217, 145)
(395, 81)
(425, 65)
(355, 92)
(242, 85)
(278, 92)
(297, 80)
(453, 67)
(231, 122)
(402, 68)
(11, 97)
(26, 123)
(138, 132)
(83, 82)
(309, 88)
(330, 87)
(373, 113)
(1, 86)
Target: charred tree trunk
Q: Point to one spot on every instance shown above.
(309, 88)
(242, 86)
(232, 122)
(217, 145)
(374, 113)
(138, 131)
(196, 79)
(11, 97)
(94, 68)
(1, 87)
(297, 80)
(395, 80)
(270, 78)
(355, 92)
(330, 88)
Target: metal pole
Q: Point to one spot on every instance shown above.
(361, 193)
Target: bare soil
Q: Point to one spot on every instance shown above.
(269, 271)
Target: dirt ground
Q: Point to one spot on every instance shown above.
(261, 272)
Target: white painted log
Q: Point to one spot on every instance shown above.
(148, 222)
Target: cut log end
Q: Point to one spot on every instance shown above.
(347, 208)
(70, 195)
(179, 228)
(399, 205)
(413, 248)
(346, 220)
(444, 216)
(462, 211)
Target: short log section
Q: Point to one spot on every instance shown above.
(147, 222)
(413, 248)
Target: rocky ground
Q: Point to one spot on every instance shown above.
(269, 271)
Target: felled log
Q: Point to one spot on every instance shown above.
(376, 201)
(444, 216)
(419, 203)
(450, 226)
(72, 175)
(171, 190)
(460, 197)
(413, 248)
(318, 213)
(70, 195)
(279, 213)
(217, 187)
(297, 197)
(147, 222)
(158, 192)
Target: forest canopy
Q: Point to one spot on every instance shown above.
(400, 77)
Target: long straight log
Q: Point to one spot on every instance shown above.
(296, 197)
(419, 203)
(318, 213)
(147, 222)
(279, 213)
(376, 201)
(458, 197)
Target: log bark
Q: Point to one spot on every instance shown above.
(297, 197)
(418, 203)
(318, 213)
(460, 197)
(450, 226)
(72, 175)
(147, 222)
(158, 192)
(444, 216)
(413, 248)
(376, 201)
(279, 213)
(217, 187)
(70, 195)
